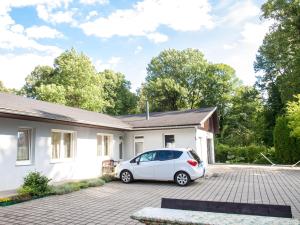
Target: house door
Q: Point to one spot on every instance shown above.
(209, 151)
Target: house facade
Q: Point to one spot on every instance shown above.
(66, 143)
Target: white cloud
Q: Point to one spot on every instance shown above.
(240, 12)
(91, 14)
(112, 63)
(146, 16)
(14, 68)
(49, 15)
(38, 32)
(157, 37)
(92, 2)
(138, 49)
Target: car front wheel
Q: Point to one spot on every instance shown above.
(126, 176)
(182, 178)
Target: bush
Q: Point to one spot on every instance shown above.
(245, 154)
(76, 186)
(35, 184)
(107, 178)
(287, 148)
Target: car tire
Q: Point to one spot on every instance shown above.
(182, 178)
(126, 176)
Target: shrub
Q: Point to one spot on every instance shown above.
(287, 148)
(108, 178)
(35, 184)
(242, 154)
(95, 182)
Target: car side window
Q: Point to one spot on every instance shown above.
(148, 156)
(177, 154)
(164, 155)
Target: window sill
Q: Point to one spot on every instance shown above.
(24, 163)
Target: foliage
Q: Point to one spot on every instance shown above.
(76, 186)
(35, 184)
(107, 178)
(278, 59)
(287, 148)
(184, 79)
(2, 88)
(117, 93)
(72, 81)
(293, 114)
(242, 123)
(242, 154)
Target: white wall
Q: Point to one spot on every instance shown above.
(153, 139)
(201, 143)
(84, 165)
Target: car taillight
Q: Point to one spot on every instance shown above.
(192, 162)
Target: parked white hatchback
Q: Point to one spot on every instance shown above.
(179, 165)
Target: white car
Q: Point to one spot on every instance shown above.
(179, 165)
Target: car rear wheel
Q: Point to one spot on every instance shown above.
(126, 176)
(182, 178)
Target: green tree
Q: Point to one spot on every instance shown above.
(193, 81)
(2, 87)
(243, 123)
(117, 93)
(287, 148)
(163, 94)
(293, 114)
(72, 81)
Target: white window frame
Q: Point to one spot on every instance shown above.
(62, 149)
(30, 153)
(110, 150)
(164, 139)
(138, 141)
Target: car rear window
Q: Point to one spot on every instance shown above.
(194, 155)
(164, 155)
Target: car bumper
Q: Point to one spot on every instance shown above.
(196, 173)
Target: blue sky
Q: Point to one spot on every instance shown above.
(124, 35)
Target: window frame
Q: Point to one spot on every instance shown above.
(164, 140)
(110, 148)
(30, 148)
(140, 140)
(121, 143)
(73, 145)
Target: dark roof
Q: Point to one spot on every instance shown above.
(18, 105)
(169, 119)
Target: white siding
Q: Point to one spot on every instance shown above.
(201, 143)
(153, 139)
(84, 165)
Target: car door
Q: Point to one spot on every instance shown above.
(143, 168)
(164, 166)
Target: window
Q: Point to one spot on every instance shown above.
(169, 141)
(194, 155)
(149, 156)
(168, 155)
(104, 144)
(62, 143)
(24, 145)
(120, 147)
(138, 145)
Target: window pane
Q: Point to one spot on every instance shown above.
(121, 150)
(106, 140)
(139, 147)
(67, 145)
(55, 141)
(23, 145)
(99, 145)
(169, 141)
(150, 156)
(165, 155)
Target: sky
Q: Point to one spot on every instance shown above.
(123, 35)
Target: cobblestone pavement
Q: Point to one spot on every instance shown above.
(113, 203)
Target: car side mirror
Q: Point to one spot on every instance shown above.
(138, 162)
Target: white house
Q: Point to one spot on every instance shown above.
(66, 143)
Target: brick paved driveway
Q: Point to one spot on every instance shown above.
(114, 202)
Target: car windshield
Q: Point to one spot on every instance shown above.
(194, 155)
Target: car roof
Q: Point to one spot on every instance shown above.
(170, 149)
